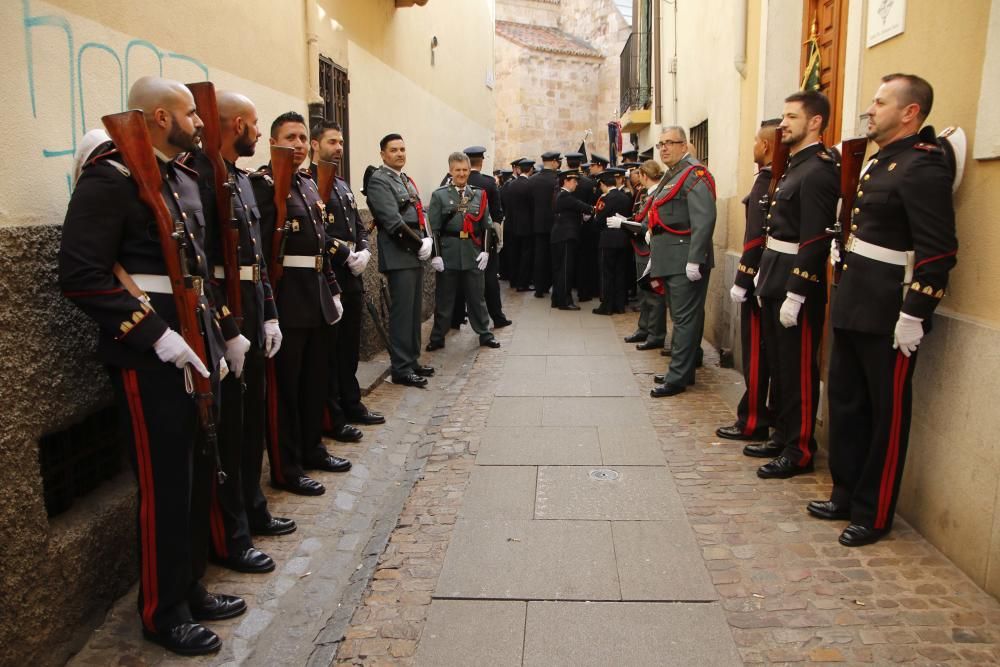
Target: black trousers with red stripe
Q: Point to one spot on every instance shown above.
(174, 470)
(240, 500)
(752, 413)
(296, 394)
(793, 360)
(870, 411)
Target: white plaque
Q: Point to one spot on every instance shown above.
(886, 18)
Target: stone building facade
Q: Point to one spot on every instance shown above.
(557, 71)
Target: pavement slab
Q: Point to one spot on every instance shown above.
(460, 633)
(660, 560)
(599, 633)
(530, 560)
(623, 493)
(540, 445)
(630, 446)
(594, 411)
(497, 492)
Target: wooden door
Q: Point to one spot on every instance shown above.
(830, 20)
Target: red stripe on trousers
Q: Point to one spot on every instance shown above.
(147, 502)
(218, 527)
(805, 390)
(752, 390)
(892, 454)
(272, 422)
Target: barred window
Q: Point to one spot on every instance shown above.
(699, 137)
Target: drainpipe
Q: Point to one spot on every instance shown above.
(316, 106)
(740, 60)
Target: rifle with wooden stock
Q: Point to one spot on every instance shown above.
(281, 173)
(852, 157)
(129, 133)
(211, 144)
(326, 175)
(779, 162)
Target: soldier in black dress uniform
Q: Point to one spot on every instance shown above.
(903, 222)
(308, 298)
(542, 187)
(344, 406)
(587, 278)
(792, 284)
(616, 251)
(569, 216)
(108, 225)
(753, 418)
(239, 508)
(519, 193)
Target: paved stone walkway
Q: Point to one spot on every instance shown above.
(565, 517)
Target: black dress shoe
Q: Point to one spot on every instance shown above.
(522, 289)
(346, 433)
(490, 342)
(782, 468)
(186, 639)
(766, 450)
(541, 295)
(367, 418)
(252, 560)
(431, 346)
(827, 509)
(585, 299)
(571, 306)
(424, 371)
(275, 525)
(662, 390)
(735, 432)
(648, 345)
(636, 338)
(666, 352)
(501, 323)
(858, 536)
(302, 486)
(217, 607)
(600, 310)
(411, 380)
(330, 464)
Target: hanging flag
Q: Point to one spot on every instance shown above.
(810, 77)
(583, 151)
(614, 142)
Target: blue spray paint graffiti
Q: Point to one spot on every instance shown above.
(77, 82)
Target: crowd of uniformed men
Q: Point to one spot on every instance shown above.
(284, 373)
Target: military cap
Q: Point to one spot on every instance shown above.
(585, 165)
(953, 141)
(551, 155)
(505, 172)
(475, 151)
(631, 165)
(608, 175)
(573, 156)
(569, 173)
(525, 163)
(517, 162)
(630, 155)
(647, 154)
(598, 159)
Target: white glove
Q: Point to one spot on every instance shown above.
(834, 252)
(614, 222)
(272, 338)
(649, 236)
(789, 314)
(172, 349)
(223, 369)
(693, 272)
(909, 331)
(437, 264)
(358, 262)
(482, 259)
(426, 247)
(236, 353)
(339, 306)
(587, 217)
(738, 294)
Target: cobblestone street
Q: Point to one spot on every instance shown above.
(536, 507)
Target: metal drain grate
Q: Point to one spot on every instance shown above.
(603, 475)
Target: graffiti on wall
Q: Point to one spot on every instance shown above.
(81, 66)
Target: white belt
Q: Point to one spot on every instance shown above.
(784, 247)
(251, 273)
(314, 262)
(151, 283)
(880, 254)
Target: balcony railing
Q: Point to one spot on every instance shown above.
(636, 70)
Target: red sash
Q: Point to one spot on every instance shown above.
(469, 220)
(651, 206)
(421, 218)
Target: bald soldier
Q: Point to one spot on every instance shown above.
(138, 341)
(239, 508)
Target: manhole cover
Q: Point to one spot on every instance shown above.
(603, 475)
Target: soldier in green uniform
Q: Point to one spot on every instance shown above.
(403, 243)
(459, 218)
(681, 223)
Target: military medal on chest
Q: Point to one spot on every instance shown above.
(463, 208)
